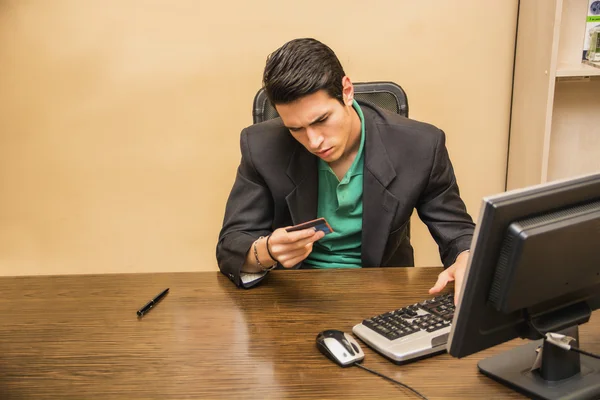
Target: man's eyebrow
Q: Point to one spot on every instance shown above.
(314, 121)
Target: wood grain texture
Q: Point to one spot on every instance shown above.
(77, 337)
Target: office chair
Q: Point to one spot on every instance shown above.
(386, 95)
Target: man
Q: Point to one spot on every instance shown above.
(362, 168)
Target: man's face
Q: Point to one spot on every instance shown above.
(321, 123)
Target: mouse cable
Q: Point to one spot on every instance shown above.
(391, 380)
(562, 341)
(585, 353)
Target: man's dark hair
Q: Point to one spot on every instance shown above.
(302, 67)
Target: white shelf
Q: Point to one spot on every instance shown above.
(575, 138)
(554, 122)
(566, 70)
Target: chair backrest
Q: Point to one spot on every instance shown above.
(386, 95)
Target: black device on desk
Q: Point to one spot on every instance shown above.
(534, 268)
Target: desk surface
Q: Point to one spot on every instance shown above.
(78, 337)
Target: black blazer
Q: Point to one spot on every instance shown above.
(406, 167)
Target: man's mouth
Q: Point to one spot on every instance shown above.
(323, 152)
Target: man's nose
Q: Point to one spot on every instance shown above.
(314, 138)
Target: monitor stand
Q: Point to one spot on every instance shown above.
(562, 374)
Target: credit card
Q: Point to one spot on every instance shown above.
(320, 224)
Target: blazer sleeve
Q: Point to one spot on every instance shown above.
(248, 215)
(441, 208)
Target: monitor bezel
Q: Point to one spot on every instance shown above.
(476, 325)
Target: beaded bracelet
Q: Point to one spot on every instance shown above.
(258, 261)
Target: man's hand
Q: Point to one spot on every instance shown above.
(290, 248)
(456, 273)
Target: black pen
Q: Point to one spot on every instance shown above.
(152, 303)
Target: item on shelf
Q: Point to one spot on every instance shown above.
(593, 53)
(592, 22)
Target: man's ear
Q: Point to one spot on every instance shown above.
(347, 91)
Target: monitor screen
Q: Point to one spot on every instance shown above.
(534, 268)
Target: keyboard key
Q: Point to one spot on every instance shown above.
(434, 328)
(392, 335)
(369, 323)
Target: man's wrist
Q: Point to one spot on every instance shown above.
(261, 255)
(459, 257)
(464, 253)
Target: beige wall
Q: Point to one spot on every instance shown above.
(120, 119)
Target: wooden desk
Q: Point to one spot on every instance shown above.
(77, 337)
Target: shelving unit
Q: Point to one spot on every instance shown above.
(555, 122)
(578, 69)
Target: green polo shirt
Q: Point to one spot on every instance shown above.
(340, 202)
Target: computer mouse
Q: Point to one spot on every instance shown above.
(339, 347)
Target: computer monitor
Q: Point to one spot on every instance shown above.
(534, 268)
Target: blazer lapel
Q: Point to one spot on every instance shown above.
(379, 205)
(302, 201)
